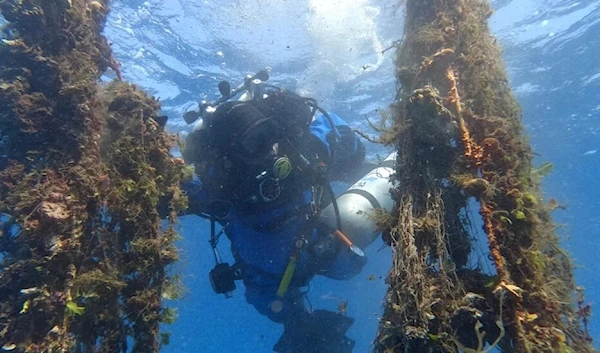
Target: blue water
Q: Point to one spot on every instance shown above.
(179, 49)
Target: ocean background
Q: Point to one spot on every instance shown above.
(337, 52)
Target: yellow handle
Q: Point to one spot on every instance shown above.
(287, 277)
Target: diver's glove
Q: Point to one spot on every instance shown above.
(320, 332)
(325, 249)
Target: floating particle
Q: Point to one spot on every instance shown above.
(29, 290)
(9, 347)
(590, 152)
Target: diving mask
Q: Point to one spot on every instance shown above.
(257, 143)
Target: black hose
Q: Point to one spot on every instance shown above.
(336, 209)
(213, 240)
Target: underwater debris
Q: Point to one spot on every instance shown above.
(9, 347)
(459, 137)
(82, 167)
(342, 305)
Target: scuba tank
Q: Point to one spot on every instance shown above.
(356, 205)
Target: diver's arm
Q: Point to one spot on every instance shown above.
(205, 204)
(196, 200)
(343, 147)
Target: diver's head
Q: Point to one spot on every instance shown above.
(243, 132)
(294, 115)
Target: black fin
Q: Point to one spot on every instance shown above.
(161, 120)
(320, 332)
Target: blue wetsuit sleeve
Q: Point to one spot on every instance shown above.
(343, 146)
(197, 197)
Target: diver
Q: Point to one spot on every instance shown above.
(264, 164)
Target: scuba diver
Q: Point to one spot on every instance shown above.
(264, 164)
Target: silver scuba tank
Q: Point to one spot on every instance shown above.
(357, 204)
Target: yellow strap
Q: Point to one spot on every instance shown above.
(287, 277)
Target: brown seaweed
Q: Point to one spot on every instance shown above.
(461, 142)
(82, 169)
